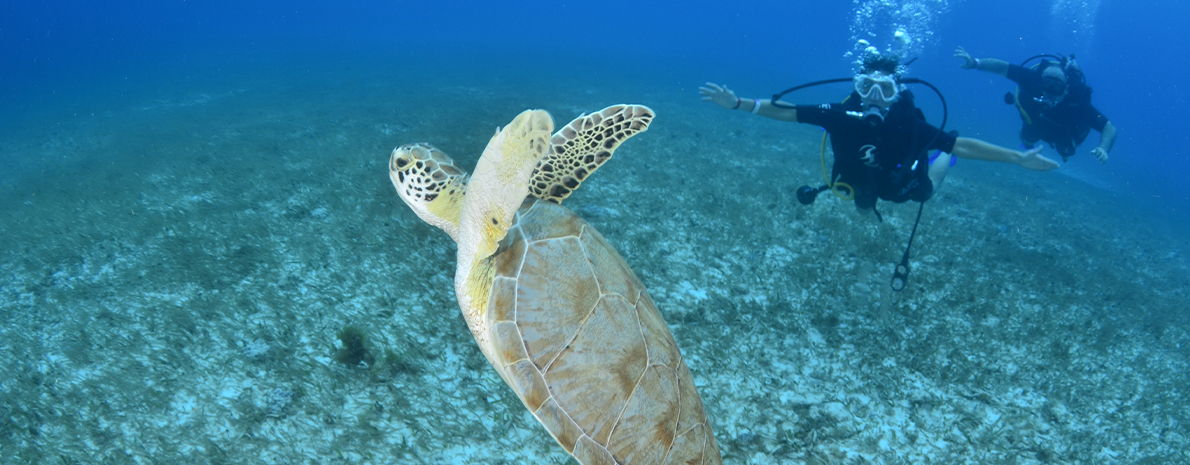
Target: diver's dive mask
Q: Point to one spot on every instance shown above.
(1053, 89)
(878, 91)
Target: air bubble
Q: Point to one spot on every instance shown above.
(905, 27)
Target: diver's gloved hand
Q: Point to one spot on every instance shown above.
(720, 95)
(1033, 160)
(1101, 154)
(970, 63)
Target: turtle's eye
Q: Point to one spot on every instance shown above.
(402, 163)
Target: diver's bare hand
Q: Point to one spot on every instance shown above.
(970, 62)
(720, 95)
(1033, 160)
(1101, 154)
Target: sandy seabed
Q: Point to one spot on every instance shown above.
(181, 260)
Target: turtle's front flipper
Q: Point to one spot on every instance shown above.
(581, 147)
(497, 188)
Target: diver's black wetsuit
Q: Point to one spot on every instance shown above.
(878, 162)
(1064, 126)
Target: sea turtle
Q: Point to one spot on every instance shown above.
(554, 308)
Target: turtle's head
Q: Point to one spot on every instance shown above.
(428, 181)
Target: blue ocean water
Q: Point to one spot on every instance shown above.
(309, 83)
(1130, 52)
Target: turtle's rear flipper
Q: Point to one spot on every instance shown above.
(584, 145)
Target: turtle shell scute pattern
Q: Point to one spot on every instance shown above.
(587, 350)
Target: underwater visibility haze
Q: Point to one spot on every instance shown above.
(204, 259)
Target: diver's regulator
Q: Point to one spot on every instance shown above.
(873, 116)
(806, 194)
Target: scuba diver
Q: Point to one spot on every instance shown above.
(1054, 102)
(881, 141)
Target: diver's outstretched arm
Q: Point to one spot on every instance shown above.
(724, 97)
(975, 149)
(991, 65)
(1106, 140)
